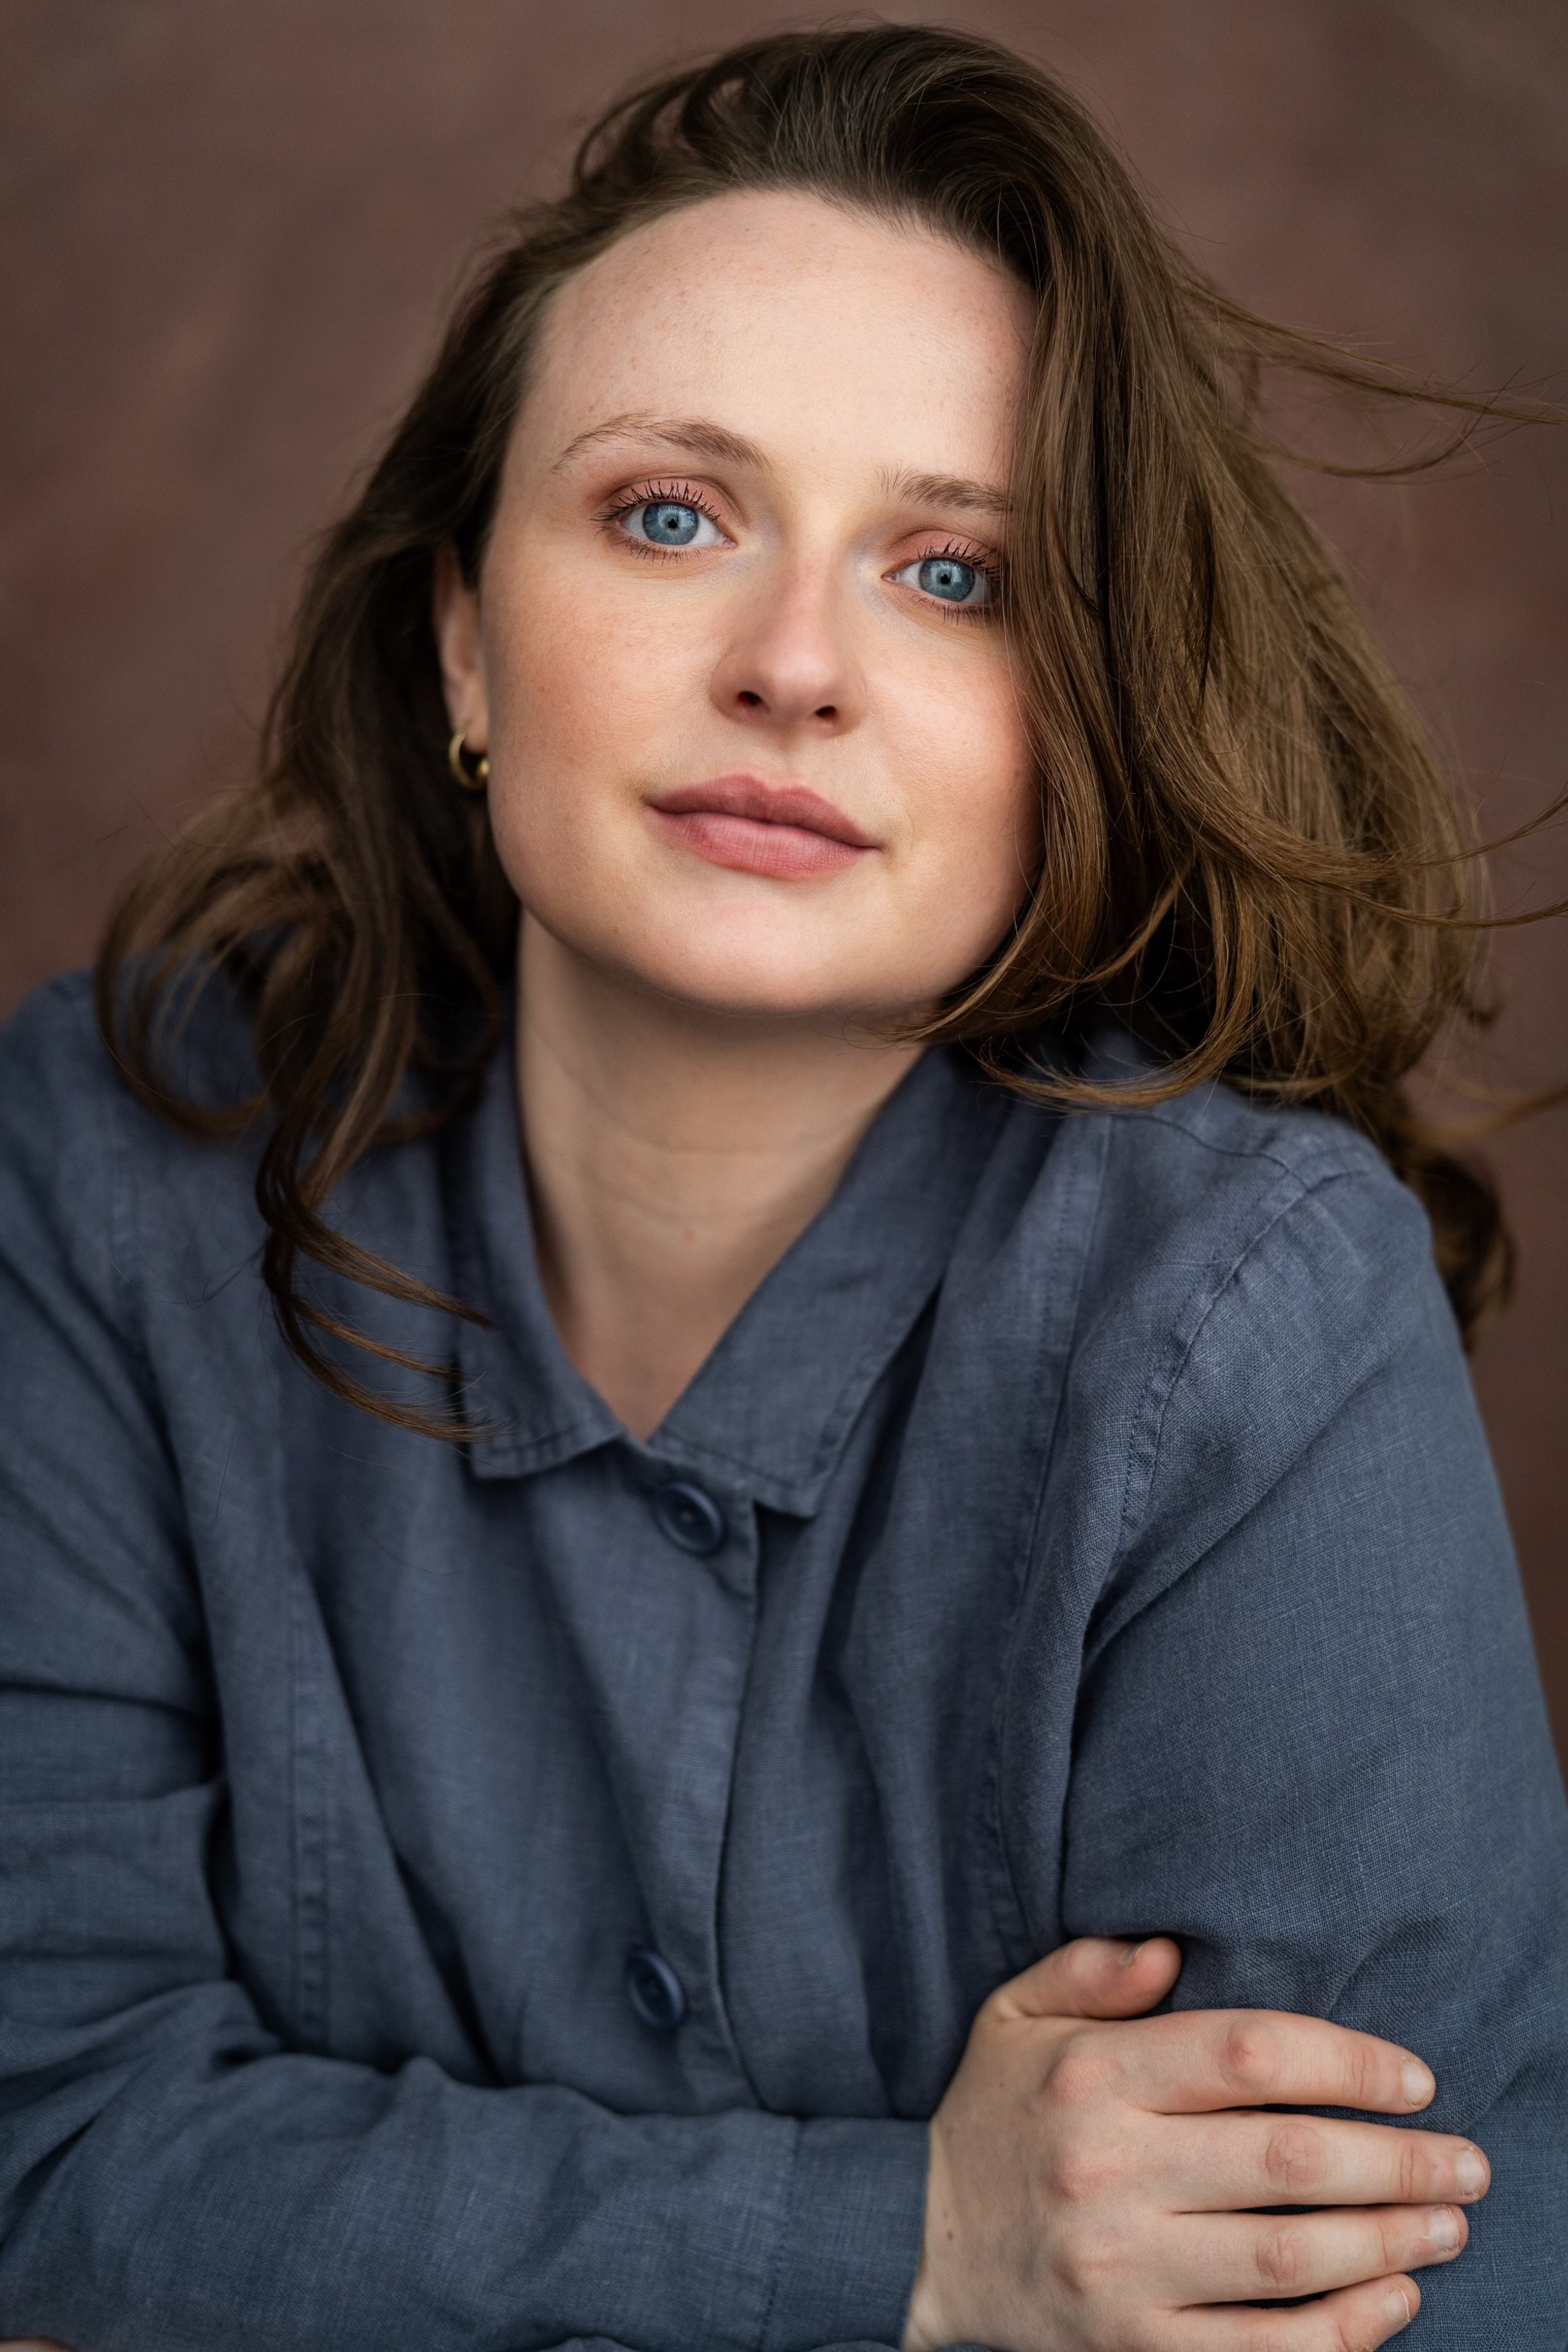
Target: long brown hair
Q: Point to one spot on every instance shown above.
(1249, 853)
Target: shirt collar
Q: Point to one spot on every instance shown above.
(771, 1408)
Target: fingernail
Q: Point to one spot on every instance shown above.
(1419, 2083)
(1396, 2306)
(1442, 2228)
(1130, 1953)
(1470, 2172)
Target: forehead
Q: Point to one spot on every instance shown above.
(795, 322)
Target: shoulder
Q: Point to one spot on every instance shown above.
(78, 1152)
(56, 1082)
(52, 1051)
(1258, 1314)
(1213, 1203)
(1244, 1271)
(51, 1040)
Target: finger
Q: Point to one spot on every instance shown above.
(1356, 2320)
(1208, 2059)
(1215, 2164)
(1094, 1976)
(1252, 2257)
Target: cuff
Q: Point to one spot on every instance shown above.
(852, 2235)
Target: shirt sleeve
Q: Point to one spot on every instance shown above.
(172, 2178)
(1311, 1741)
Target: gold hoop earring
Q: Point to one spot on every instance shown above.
(474, 779)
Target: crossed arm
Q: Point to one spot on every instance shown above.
(1097, 2176)
(1099, 2180)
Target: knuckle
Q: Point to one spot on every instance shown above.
(1394, 2235)
(1294, 2158)
(1088, 2261)
(1283, 2261)
(1266, 2333)
(1081, 2075)
(1369, 2074)
(1411, 2168)
(1078, 2171)
(1249, 2057)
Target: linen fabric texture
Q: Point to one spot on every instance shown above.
(1108, 1544)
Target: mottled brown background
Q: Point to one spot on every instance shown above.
(229, 229)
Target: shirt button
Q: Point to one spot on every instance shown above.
(688, 1517)
(654, 1990)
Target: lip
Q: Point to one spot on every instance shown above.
(784, 832)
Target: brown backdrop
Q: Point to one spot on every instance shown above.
(230, 231)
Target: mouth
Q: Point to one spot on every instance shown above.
(784, 832)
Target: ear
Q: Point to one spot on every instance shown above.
(455, 617)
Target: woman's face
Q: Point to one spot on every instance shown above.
(754, 740)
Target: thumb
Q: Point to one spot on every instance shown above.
(1095, 1976)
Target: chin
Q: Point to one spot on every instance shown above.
(856, 965)
(745, 989)
(757, 979)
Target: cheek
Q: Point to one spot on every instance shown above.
(581, 692)
(566, 676)
(980, 799)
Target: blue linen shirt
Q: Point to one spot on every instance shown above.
(1085, 1528)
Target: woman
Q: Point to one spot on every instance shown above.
(808, 1454)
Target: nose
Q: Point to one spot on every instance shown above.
(789, 663)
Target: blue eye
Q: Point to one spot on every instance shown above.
(945, 577)
(670, 523)
(950, 581)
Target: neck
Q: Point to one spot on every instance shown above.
(673, 1156)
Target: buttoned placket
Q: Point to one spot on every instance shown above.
(662, 1634)
(651, 1550)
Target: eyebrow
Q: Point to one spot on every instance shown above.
(693, 433)
(706, 439)
(948, 490)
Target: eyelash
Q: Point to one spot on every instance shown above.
(687, 494)
(645, 494)
(966, 616)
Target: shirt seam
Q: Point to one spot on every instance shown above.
(996, 1809)
(1329, 1149)
(765, 2327)
(124, 1194)
(1150, 1440)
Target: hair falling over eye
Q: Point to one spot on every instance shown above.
(1249, 855)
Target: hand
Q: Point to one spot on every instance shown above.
(1090, 2182)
